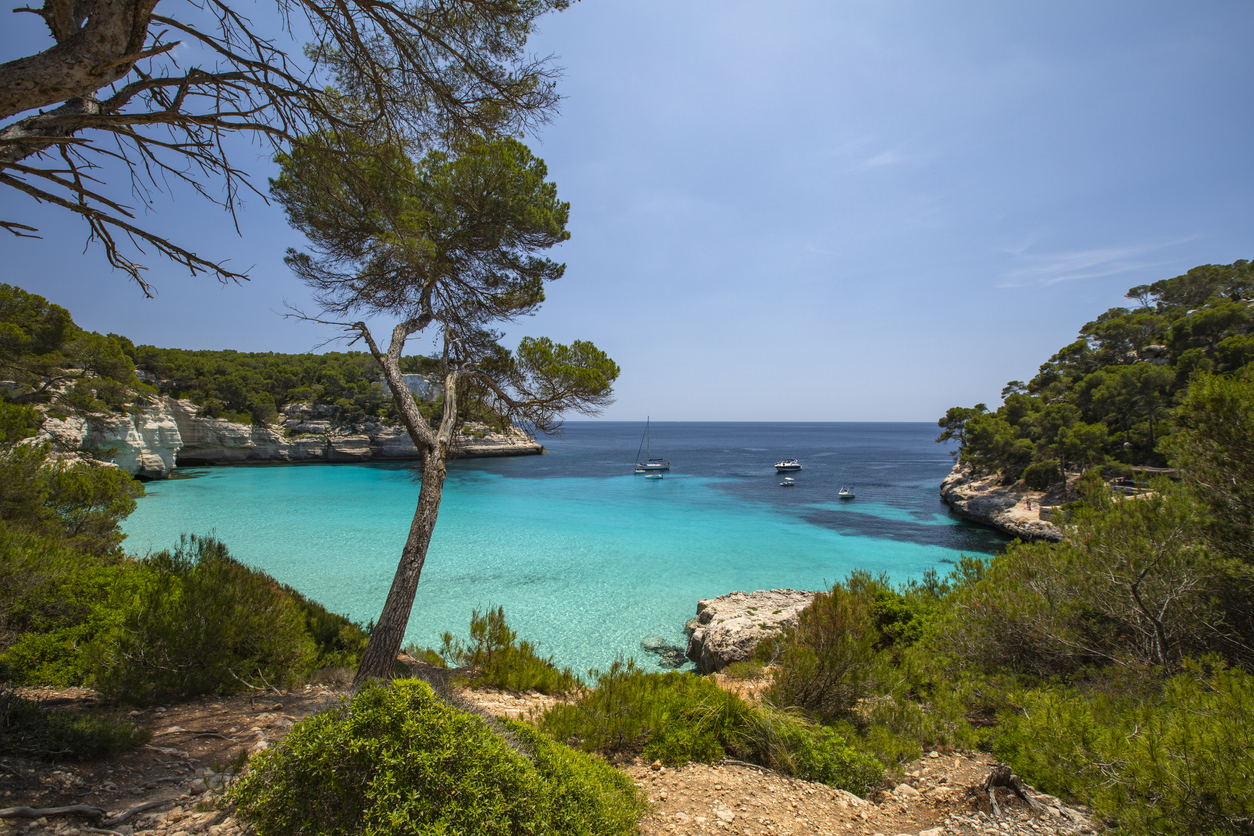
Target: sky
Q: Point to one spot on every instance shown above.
(799, 211)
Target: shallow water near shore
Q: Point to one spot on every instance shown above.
(586, 557)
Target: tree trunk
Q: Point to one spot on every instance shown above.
(389, 631)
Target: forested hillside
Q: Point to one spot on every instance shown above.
(1110, 397)
(47, 361)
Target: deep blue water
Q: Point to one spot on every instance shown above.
(586, 557)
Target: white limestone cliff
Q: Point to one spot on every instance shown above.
(151, 441)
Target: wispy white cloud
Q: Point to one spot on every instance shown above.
(1044, 269)
(900, 155)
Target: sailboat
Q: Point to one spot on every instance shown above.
(649, 463)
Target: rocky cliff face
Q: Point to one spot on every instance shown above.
(982, 500)
(152, 442)
(144, 442)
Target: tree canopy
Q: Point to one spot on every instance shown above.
(451, 243)
(1111, 396)
(108, 86)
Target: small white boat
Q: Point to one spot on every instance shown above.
(787, 466)
(788, 482)
(656, 474)
(845, 493)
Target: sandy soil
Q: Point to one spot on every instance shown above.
(172, 784)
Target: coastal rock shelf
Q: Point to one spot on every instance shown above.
(982, 500)
(728, 628)
(152, 442)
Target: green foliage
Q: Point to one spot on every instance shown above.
(43, 353)
(676, 718)
(397, 760)
(81, 503)
(339, 641)
(826, 665)
(501, 660)
(1109, 395)
(253, 387)
(1173, 760)
(202, 623)
(1215, 450)
(1132, 584)
(1041, 476)
(53, 601)
(27, 729)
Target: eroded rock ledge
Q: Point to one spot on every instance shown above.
(151, 442)
(980, 499)
(728, 628)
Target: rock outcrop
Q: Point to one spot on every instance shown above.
(144, 442)
(728, 628)
(152, 440)
(981, 499)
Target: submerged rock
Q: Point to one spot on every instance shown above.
(730, 627)
(669, 656)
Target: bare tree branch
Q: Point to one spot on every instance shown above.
(421, 72)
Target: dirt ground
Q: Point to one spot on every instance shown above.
(170, 786)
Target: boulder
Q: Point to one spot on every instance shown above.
(729, 628)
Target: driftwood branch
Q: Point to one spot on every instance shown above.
(84, 810)
(1002, 776)
(134, 811)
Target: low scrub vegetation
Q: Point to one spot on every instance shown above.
(678, 717)
(27, 729)
(500, 659)
(396, 759)
(202, 623)
(1171, 759)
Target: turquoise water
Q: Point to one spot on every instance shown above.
(586, 558)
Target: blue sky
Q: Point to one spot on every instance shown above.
(803, 210)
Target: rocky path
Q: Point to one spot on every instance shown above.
(171, 786)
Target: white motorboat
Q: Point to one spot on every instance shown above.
(657, 474)
(787, 466)
(788, 482)
(650, 464)
(845, 493)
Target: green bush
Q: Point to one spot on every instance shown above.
(397, 760)
(826, 665)
(1040, 476)
(30, 730)
(339, 640)
(500, 659)
(1172, 761)
(54, 600)
(203, 623)
(679, 717)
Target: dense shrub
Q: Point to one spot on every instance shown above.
(30, 730)
(202, 623)
(1171, 761)
(397, 760)
(826, 665)
(54, 600)
(1133, 584)
(500, 658)
(339, 641)
(677, 717)
(1040, 476)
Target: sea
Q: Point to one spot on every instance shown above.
(587, 558)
